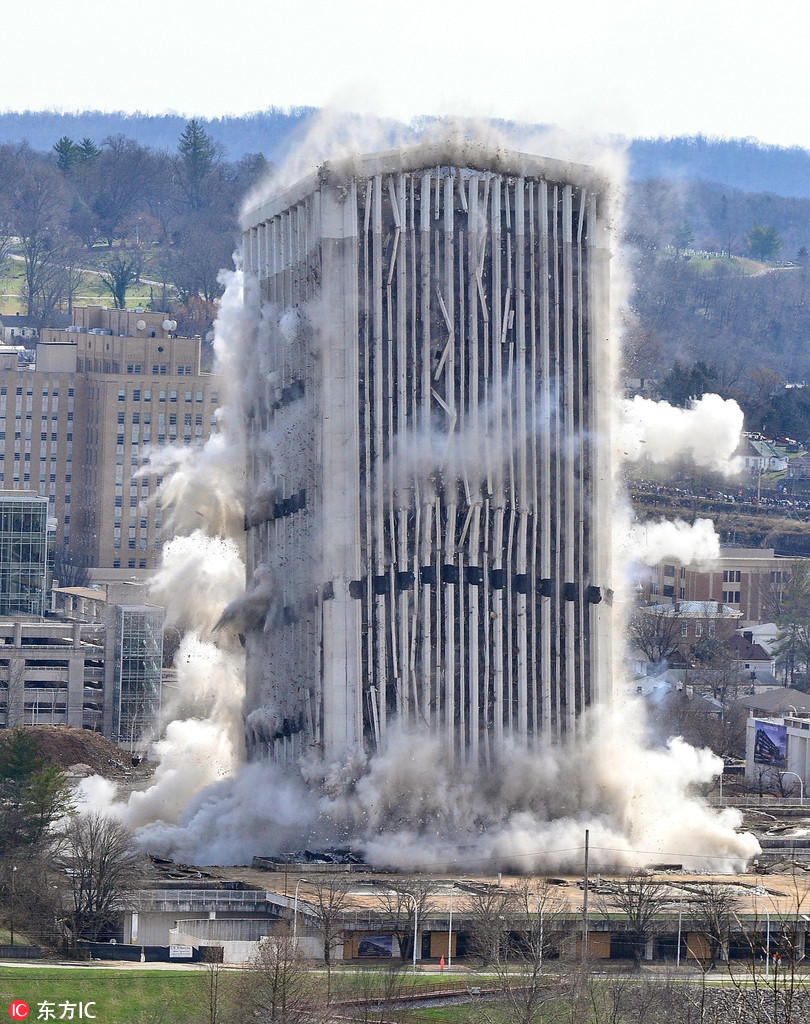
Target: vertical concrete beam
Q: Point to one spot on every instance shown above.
(340, 522)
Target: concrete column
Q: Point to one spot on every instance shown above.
(75, 703)
(15, 714)
(342, 689)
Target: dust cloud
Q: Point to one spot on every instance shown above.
(405, 807)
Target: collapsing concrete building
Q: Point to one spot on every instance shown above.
(429, 510)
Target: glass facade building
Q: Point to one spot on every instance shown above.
(26, 534)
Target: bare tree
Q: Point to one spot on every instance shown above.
(400, 901)
(277, 987)
(68, 574)
(527, 997)
(490, 910)
(656, 632)
(715, 905)
(121, 269)
(38, 213)
(102, 862)
(639, 898)
(117, 183)
(214, 1001)
(327, 899)
(378, 993)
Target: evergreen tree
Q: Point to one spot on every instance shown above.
(33, 794)
(684, 383)
(197, 157)
(88, 152)
(67, 154)
(763, 243)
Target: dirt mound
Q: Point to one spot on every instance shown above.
(65, 745)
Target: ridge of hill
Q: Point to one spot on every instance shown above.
(743, 164)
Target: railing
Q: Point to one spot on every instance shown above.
(210, 898)
(768, 800)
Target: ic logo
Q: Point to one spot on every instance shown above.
(18, 1010)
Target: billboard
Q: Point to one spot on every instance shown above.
(770, 743)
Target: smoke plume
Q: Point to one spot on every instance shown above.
(670, 541)
(707, 433)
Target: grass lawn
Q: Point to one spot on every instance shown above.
(91, 291)
(455, 1014)
(129, 996)
(141, 996)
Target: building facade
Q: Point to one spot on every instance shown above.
(76, 428)
(95, 663)
(747, 580)
(26, 553)
(429, 486)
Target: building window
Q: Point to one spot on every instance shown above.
(698, 629)
(669, 591)
(669, 570)
(684, 629)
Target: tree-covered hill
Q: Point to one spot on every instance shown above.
(268, 132)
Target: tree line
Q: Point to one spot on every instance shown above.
(127, 209)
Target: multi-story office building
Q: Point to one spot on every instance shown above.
(26, 552)
(428, 458)
(748, 580)
(77, 426)
(38, 421)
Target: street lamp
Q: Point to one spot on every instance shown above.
(295, 912)
(767, 944)
(411, 897)
(541, 906)
(801, 785)
(449, 932)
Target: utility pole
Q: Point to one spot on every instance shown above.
(13, 876)
(585, 903)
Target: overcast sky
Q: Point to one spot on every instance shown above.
(733, 68)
